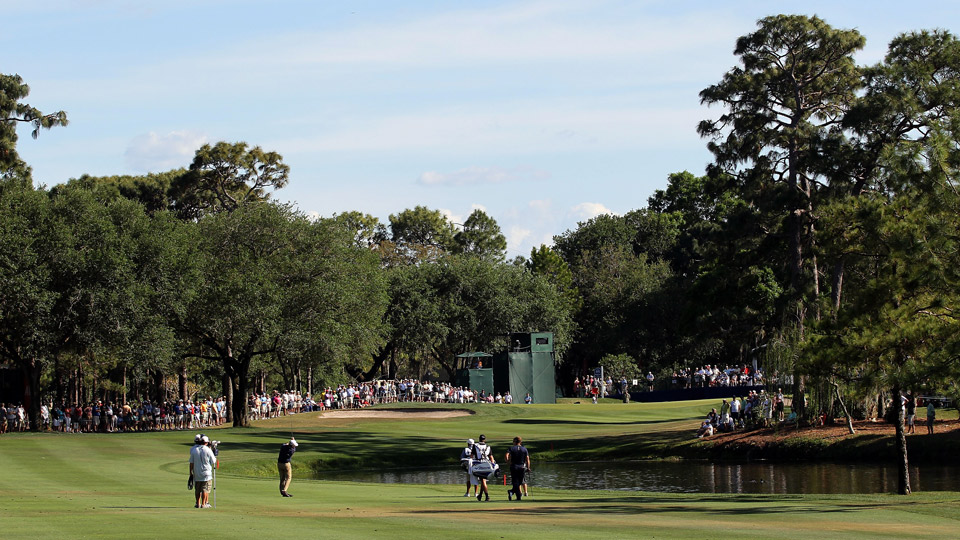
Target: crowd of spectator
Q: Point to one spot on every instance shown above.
(707, 376)
(711, 376)
(12, 417)
(758, 409)
(359, 395)
(109, 417)
(594, 387)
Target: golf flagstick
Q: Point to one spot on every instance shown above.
(215, 483)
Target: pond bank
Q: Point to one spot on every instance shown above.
(873, 442)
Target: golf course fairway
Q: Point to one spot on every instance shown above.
(133, 485)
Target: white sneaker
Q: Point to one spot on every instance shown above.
(207, 506)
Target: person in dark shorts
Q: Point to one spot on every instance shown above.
(283, 465)
(519, 459)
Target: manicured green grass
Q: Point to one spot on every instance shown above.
(134, 485)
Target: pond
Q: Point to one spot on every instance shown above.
(694, 477)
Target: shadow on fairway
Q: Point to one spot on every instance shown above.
(726, 505)
(594, 422)
(138, 507)
(354, 450)
(358, 450)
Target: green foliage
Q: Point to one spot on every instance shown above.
(14, 112)
(272, 281)
(463, 303)
(592, 235)
(621, 293)
(621, 365)
(419, 234)
(367, 229)
(152, 190)
(545, 262)
(224, 176)
(481, 237)
(79, 277)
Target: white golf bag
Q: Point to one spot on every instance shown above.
(486, 469)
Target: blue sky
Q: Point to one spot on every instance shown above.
(542, 113)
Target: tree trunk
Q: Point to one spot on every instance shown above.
(903, 468)
(239, 370)
(239, 405)
(378, 361)
(799, 400)
(392, 367)
(836, 294)
(31, 397)
(285, 371)
(158, 386)
(58, 379)
(81, 394)
(227, 388)
(183, 382)
(846, 413)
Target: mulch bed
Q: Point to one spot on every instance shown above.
(833, 441)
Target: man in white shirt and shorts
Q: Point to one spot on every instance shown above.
(202, 463)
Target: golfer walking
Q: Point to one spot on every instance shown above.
(519, 459)
(481, 453)
(283, 465)
(202, 463)
(466, 461)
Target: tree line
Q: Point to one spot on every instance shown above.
(821, 242)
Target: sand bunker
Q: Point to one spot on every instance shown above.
(412, 414)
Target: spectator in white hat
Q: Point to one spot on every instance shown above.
(202, 462)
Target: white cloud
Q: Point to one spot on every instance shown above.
(589, 210)
(451, 217)
(516, 238)
(526, 32)
(542, 206)
(458, 219)
(152, 152)
(481, 175)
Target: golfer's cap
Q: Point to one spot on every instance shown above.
(198, 438)
(293, 442)
(470, 442)
(206, 439)
(483, 438)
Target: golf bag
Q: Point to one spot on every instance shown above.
(482, 466)
(486, 469)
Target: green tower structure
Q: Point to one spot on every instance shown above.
(475, 372)
(527, 366)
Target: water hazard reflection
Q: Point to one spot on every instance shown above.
(695, 477)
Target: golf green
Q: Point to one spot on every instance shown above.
(134, 485)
